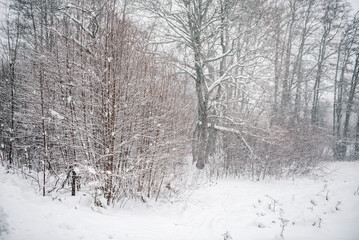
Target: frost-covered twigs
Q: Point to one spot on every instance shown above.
(356, 192)
(226, 236)
(338, 205)
(283, 223)
(272, 205)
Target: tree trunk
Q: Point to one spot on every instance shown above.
(286, 86)
(73, 183)
(12, 116)
(357, 138)
(353, 85)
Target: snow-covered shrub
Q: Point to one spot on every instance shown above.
(271, 151)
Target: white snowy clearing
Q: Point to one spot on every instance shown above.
(322, 206)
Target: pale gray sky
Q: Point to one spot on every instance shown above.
(355, 4)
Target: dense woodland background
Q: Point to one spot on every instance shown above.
(113, 96)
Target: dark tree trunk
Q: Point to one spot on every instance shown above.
(353, 86)
(357, 138)
(12, 120)
(73, 183)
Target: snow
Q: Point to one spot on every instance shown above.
(76, 170)
(3, 223)
(324, 206)
(91, 170)
(56, 114)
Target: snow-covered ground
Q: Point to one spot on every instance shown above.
(322, 206)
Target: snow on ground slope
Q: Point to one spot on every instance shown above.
(322, 206)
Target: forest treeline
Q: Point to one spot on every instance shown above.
(113, 96)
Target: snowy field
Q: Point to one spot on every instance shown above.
(324, 206)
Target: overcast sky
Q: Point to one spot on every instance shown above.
(355, 4)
